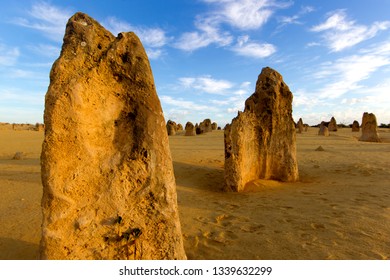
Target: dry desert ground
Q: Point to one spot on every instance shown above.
(339, 209)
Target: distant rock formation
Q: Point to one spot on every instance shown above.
(323, 131)
(39, 127)
(369, 128)
(260, 142)
(179, 127)
(197, 129)
(190, 129)
(171, 127)
(214, 126)
(320, 149)
(332, 126)
(300, 126)
(109, 190)
(19, 156)
(205, 126)
(355, 126)
(306, 127)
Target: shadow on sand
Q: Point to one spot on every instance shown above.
(11, 249)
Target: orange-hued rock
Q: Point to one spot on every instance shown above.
(171, 127)
(369, 128)
(260, 143)
(179, 127)
(323, 131)
(355, 126)
(332, 126)
(300, 126)
(108, 184)
(205, 126)
(190, 129)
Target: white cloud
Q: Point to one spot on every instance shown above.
(345, 93)
(206, 84)
(253, 49)
(46, 50)
(295, 19)
(346, 74)
(208, 33)
(150, 36)
(183, 105)
(47, 18)
(8, 56)
(242, 14)
(21, 96)
(153, 38)
(341, 33)
(246, 14)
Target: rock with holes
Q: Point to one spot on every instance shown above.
(190, 129)
(323, 130)
(260, 142)
(109, 190)
(355, 126)
(332, 126)
(369, 128)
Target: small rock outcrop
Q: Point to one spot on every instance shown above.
(171, 127)
(369, 128)
(332, 126)
(190, 129)
(319, 149)
(205, 126)
(260, 142)
(19, 156)
(179, 127)
(323, 131)
(109, 190)
(355, 126)
(300, 126)
(214, 126)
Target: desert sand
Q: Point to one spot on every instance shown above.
(339, 208)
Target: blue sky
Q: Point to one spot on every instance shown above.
(206, 54)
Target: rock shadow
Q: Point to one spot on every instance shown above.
(12, 249)
(199, 177)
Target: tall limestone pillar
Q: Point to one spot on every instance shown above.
(260, 142)
(108, 185)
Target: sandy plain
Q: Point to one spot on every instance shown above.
(339, 209)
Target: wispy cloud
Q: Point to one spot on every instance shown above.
(153, 38)
(183, 105)
(8, 55)
(206, 84)
(46, 18)
(208, 33)
(296, 19)
(239, 15)
(347, 74)
(46, 50)
(345, 83)
(245, 47)
(246, 14)
(340, 33)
